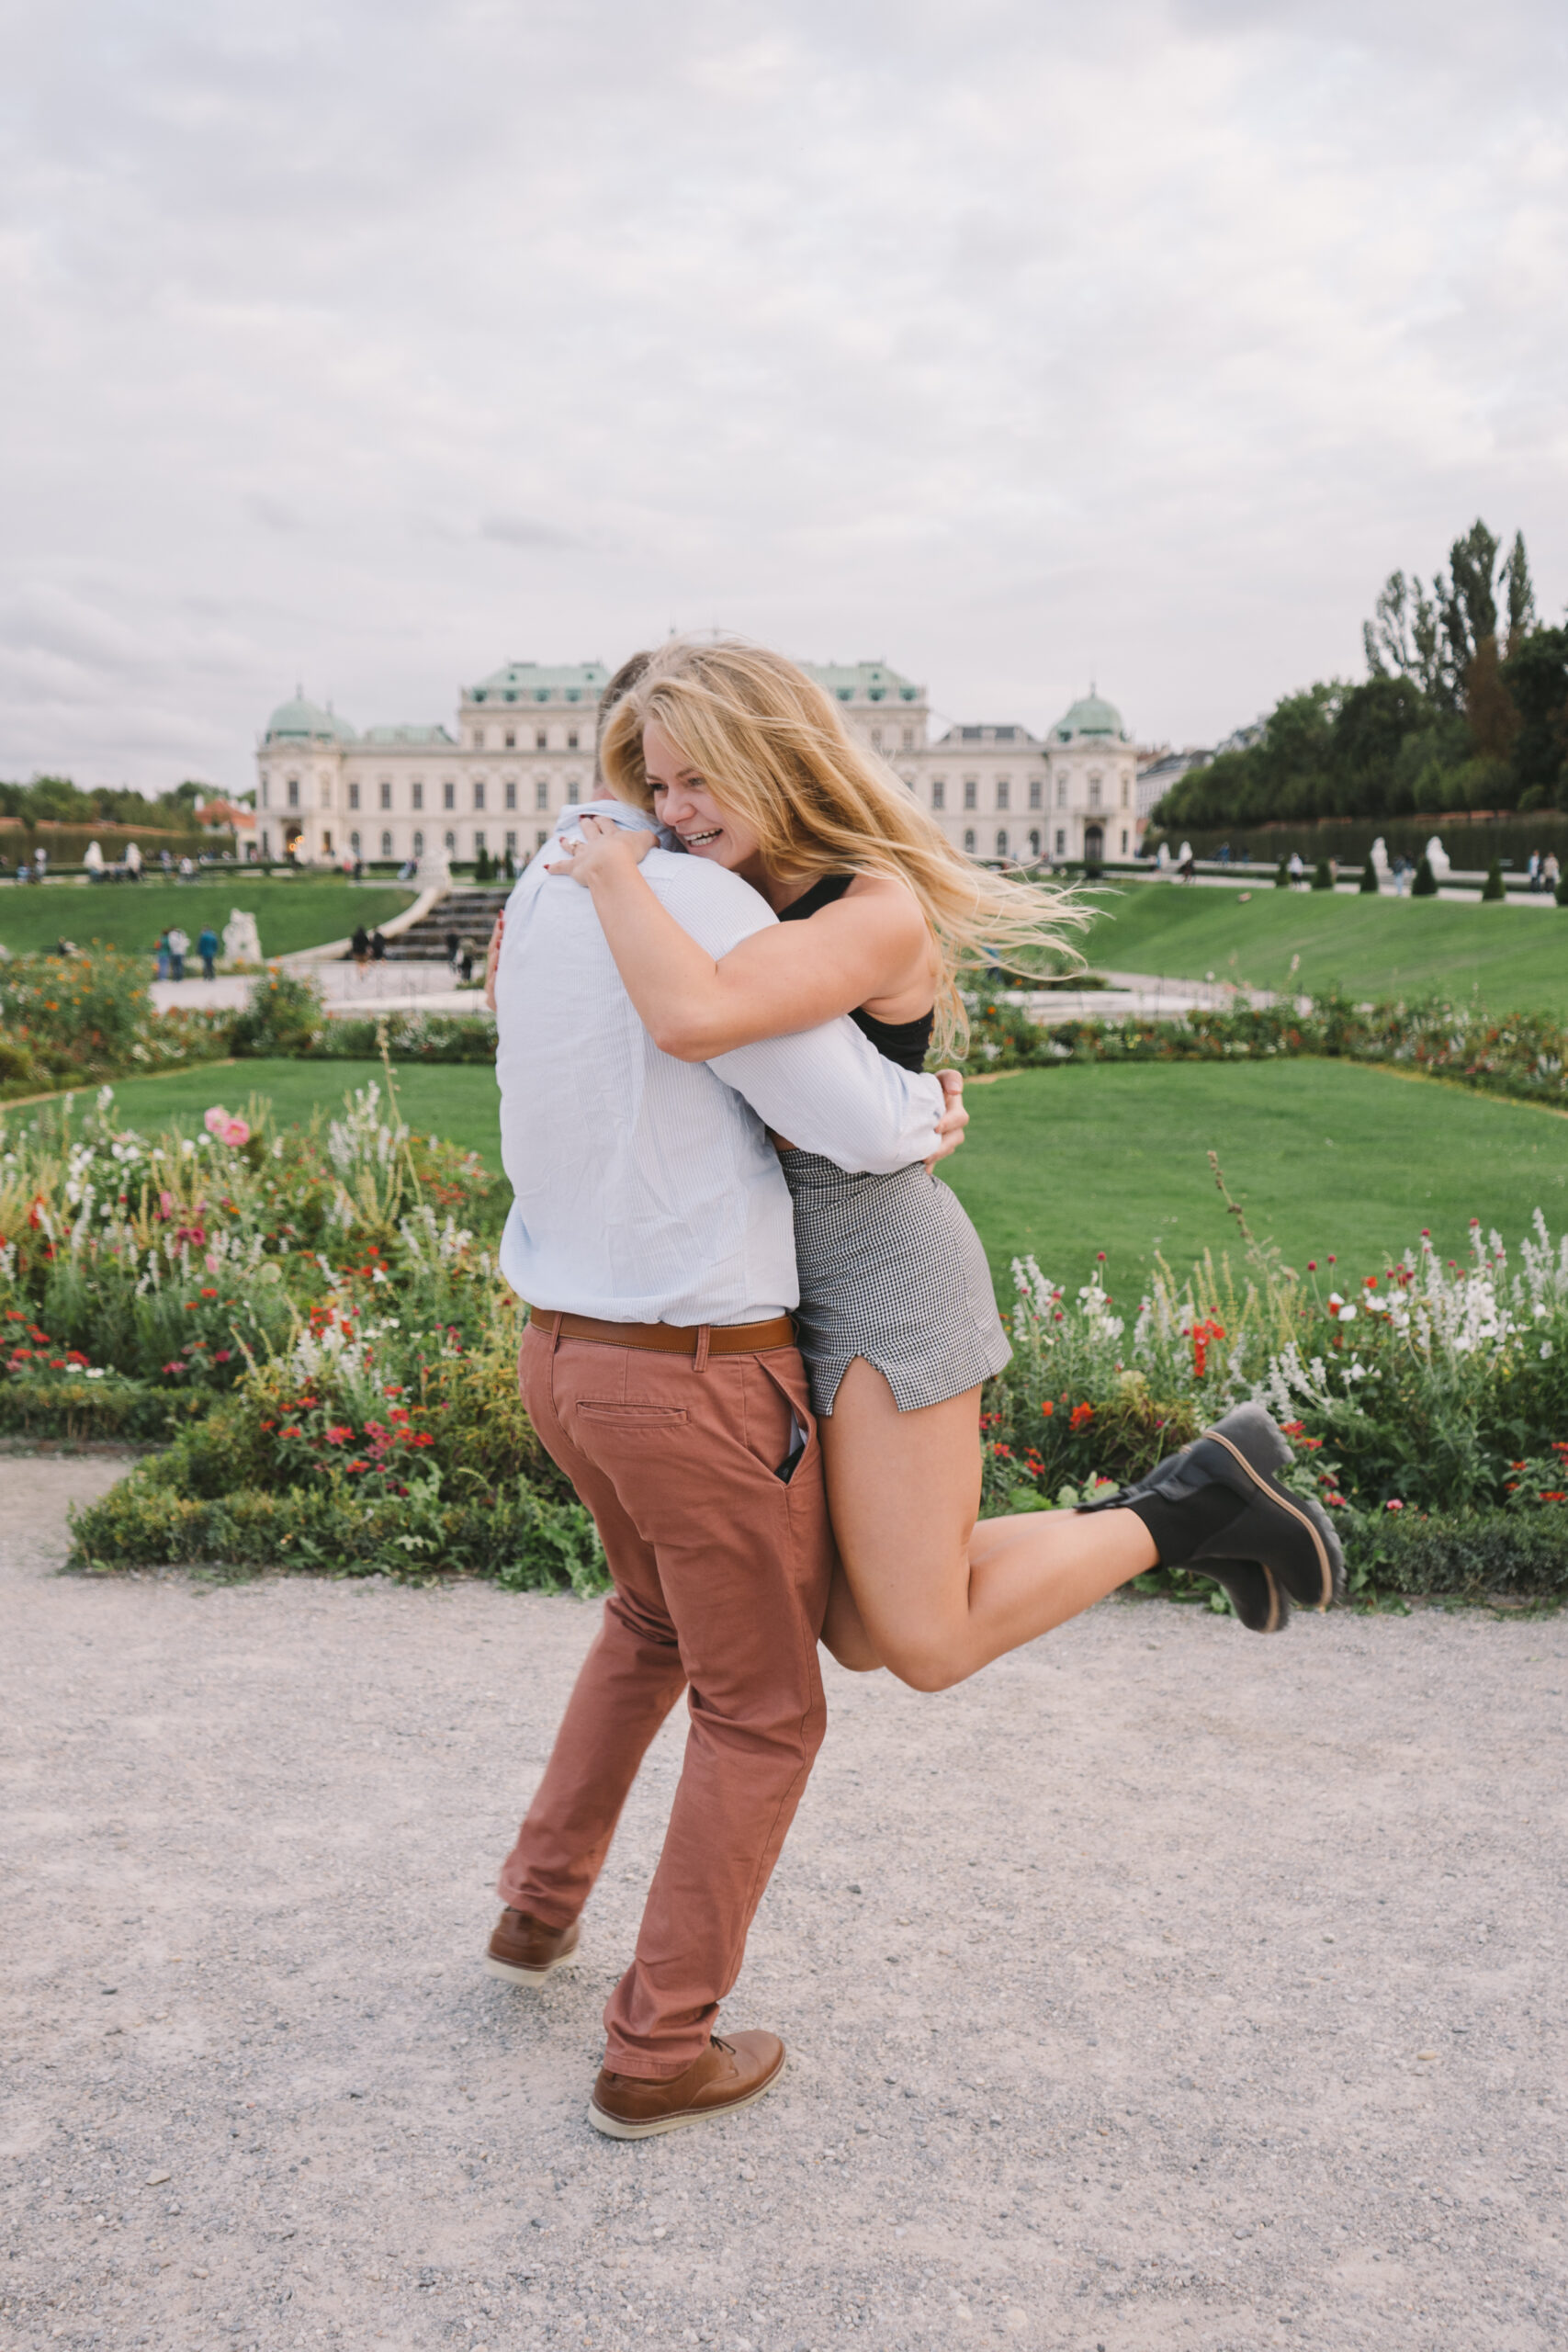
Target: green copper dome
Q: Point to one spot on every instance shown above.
(306, 722)
(1091, 719)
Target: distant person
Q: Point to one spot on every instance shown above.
(161, 952)
(40, 864)
(133, 861)
(1551, 872)
(179, 948)
(359, 869)
(207, 948)
(359, 945)
(1186, 864)
(465, 964)
(1225, 852)
(378, 946)
(1533, 869)
(1296, 871)
(166, 861)
(453, 948)
(187, 870)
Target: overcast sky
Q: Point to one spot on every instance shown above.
(372, 345)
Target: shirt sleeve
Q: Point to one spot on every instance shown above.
(826, 1089)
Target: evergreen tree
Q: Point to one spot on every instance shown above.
(1369, 883)
(1426, 883)
(1492, 889)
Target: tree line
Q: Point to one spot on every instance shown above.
(1465, 705)
(54, 799)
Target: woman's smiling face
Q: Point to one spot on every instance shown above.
(682, 800)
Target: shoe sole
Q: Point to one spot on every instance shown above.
(1296, 1511)
(513, 1975)
(613, 2127)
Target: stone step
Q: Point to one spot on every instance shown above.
(471, 914)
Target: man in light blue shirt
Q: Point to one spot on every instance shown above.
(651, 1233)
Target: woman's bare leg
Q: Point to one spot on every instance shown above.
(936, 1596)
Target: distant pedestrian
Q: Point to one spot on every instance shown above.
(1551, 872)
(187, 870)
(453, 948)
(464, 965)
(162, 955)
(378, 946)
(359, 945)
(179, 948)
(40, 864)
(207, 948)
(1533, 869)
(1297, 871)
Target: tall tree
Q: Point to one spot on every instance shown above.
(1433, 641)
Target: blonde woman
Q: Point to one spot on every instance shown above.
(739, 754)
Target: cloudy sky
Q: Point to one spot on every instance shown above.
(1011, 342)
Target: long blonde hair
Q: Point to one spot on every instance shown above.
(770, 744)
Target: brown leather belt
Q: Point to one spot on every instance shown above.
(669, 1338)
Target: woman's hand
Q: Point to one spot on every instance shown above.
(606, 850)
(954, 1117)
(492, 959)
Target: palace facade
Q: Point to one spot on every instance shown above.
(522, 747)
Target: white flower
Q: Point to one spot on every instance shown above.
(1346, 1314)
(1545, 1350)
(95, 1371)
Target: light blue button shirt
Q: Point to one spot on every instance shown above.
(645, 1189)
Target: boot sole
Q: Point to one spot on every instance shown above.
(1296, 1511)
(613, 2127)
(513, 1975)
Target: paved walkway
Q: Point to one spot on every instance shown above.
(349, 992)
(1163, 1988)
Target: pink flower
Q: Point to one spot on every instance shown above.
(228, 1130)
(1394, 1505)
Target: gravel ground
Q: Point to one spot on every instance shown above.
(1163, 1988)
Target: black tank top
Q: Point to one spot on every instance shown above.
(905, 1042)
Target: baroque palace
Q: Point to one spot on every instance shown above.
(523, 747)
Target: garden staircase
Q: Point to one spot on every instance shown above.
(470, 913)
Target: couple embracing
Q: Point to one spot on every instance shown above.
(759, 1324)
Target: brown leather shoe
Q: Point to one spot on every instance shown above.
(525, 1951)
(731, 2073)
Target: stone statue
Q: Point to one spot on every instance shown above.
(242, 940)
(435, 873)
(1380, 862)
(1438, 860)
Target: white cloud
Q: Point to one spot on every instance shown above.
(377, 344)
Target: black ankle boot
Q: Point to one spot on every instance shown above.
(1217, 1508)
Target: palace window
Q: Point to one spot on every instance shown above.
(1061, 841)
(416, 795)
(1034, 841)
(479, 739)
(450, 840)
(510, 793)
(971, 793)
(510, 739)
(1094, 792)
(908, 738)
(354, 843)
(571, 741)
(479, 792)
(939, 792)
(264, 791)
(386, 844)
(1002, 841)
(1004, 792)
(877, 738)
(541, 792)
(386, 795)
(1124, 841)
(539, 839)
(1061, 792)
(353, 795)
(448, 796)
(1124, 789)
(511, 844)
(969, 840)
(419, 844)
(1036, 794)
(541, 740)
(478, 841)
(294, 792)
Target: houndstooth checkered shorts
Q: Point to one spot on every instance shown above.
(891, 1269)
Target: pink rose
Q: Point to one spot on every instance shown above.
(218, 1124)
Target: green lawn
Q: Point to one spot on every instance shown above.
(1517, 957)
(1326, 1156)
(289, 914)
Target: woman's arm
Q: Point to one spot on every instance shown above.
(790, 977)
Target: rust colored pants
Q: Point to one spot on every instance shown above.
(721, 1572)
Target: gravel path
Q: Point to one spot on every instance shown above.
(1163, 1988)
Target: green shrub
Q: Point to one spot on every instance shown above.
(1321, 879)
(1283, 875)
(1368, 885)
(1493, 890)
(284, 1015)
(1426, 883)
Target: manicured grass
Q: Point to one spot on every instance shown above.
(289, 915)
(455, 1101)
(1516, 956)
(1325, 1155)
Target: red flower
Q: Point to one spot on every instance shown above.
(1047, 1408)
(177, 1367)
(1080, 1417)
(293, 1430)
(339, 1434)
(223, 1355)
